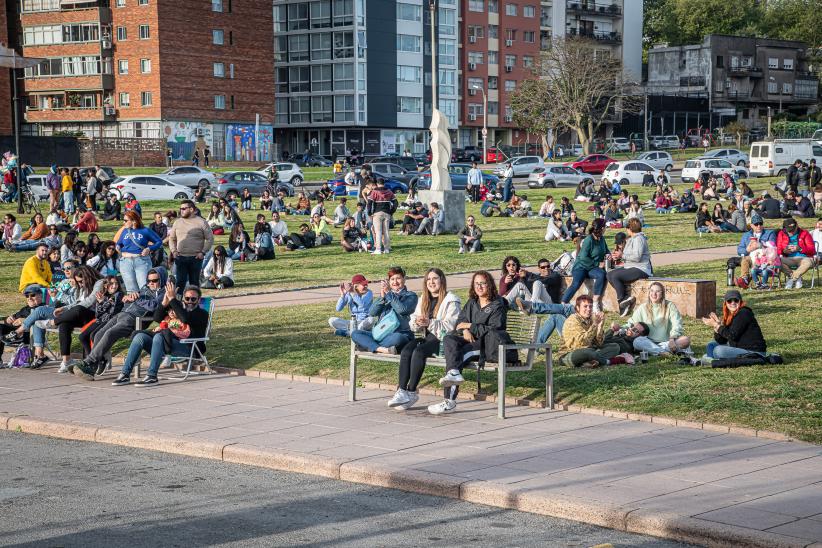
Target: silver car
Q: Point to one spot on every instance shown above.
(555, 176)
(286, 171)
(523, 165)
(232, 183)
(658, 159)
(734, 156)
(190, 176)
(393, 171)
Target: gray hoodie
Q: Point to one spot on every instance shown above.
(637, 254)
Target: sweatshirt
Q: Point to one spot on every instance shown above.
(211, 268)
(446, 318)
(591, 253)
(35, 271)
(579, 333)
(148, 299)
(661, 328)
(492, 317)
(135, 240)
(191, 236)
(403, 303)
(637, 255)
(359, 305)
(743, 332)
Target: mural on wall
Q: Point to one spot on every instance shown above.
(185, 137)
(241, 146)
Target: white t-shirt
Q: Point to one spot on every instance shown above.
(278, 229)
(817, 238)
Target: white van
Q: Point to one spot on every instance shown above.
(769, 158)
(817, 136)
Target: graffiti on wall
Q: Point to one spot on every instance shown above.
(241, 145)
(185, 137)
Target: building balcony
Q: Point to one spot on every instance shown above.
(744, 72)
(692, 81)
(736, 95)
(604, 37)
(68, 114)
(71, 83)
(69, 13)
(606, 9)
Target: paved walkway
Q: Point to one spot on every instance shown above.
(687, 484)
(455, 281)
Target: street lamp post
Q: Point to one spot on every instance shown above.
(484, 124)
(434, 90)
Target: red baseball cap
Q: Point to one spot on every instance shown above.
(359, 279)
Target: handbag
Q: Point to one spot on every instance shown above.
(388, 324)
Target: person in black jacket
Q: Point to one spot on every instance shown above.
(737, 333)
(480, 327)
(163, 342)
(34, 298)
(814, 173)
(792, 177)
(769, 207)
(112, 211)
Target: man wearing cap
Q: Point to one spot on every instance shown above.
(357, 297)
(769, 207)
(752, 240)
(737, 332)
(36, 269)
(34, 298)
(795, 246)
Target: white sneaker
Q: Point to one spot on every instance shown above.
(376, 252)
(413, 397)
(400, 398)
(798, 284)
(462, 250)
(452, 378)
(63, 368)
(166, 363)
(446, 406)
(790, 283)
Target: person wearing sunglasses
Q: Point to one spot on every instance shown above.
(33, 295)
(189, 239)
(516, 282)
(737, 333)
(167, 340)
(122, 325)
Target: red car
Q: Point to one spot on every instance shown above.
(593, 163)
(494, 156)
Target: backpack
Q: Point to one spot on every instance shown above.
(98, 186)
(21, 357)
(264, 241)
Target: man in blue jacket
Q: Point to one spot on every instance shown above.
(752, 240)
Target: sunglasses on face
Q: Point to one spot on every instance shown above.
(543, 266)
(153, 280)
(190, 299)
(31, 295)
(732, 301)
(78, 277)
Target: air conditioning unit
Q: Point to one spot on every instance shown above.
(109, 111)
(472, 39)
(472, 92)
(472, 117)
(106, 44)
(509, 68)
(509, 43)
(472, 66)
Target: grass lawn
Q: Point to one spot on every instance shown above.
(785, 398)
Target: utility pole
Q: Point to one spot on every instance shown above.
(484, 124)
(434, 90)
(645, 132)
(769, 122)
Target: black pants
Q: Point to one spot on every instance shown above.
(553, 285)
(298, 240)
(77, 316)
(621, 276)
(412, 360)
(118, 327)
(88, 335)
(5, 329)
(187, 270)
(225, 280)
(455, 348)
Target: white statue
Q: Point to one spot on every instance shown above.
(440, 152)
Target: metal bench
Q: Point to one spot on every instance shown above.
(523, 331)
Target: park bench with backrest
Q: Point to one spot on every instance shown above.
(523, 331)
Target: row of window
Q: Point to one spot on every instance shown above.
(314, 15)
(510, 9)
(61, 34)
(304, 79)
(773, 62)
(122, 66)
(144, 33)
(316, 47)
(80, 65)
(493, 83)
(324, 109)
(124, 99)
(478, 57)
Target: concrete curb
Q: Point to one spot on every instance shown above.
(623, 518)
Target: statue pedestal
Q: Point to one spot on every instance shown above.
(452, 203)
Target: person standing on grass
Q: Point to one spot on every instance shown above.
(381, 205)
(737, 333)
(67, 187)
(189, 239)
(435, 316)
(358, 298)
(583, 338)
(136, 244)
(508, 183)
(54, 186)
(475, 180)
(394, 298)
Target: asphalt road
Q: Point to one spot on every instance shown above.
(64, 493)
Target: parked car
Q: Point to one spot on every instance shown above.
(392, 171)
(407, 162)
(770, 158)
(553, 176)
(459, 178)
(109, 171)
(494, 155)
(190, 176)
(341, 189)
(657, 159)
(470, 154)
(693, 168)
(37, 184)
(593, 163)
(314, 160)
(422, 160)
(286, 171)
(149, 187)
(232, 183)
(627, 172)
(731, 154)
(618, 144)
(662, 142)
(523, 165)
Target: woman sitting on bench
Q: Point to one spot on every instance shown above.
(737, 333)
(394, 297)
(483, 316)
(435, 317)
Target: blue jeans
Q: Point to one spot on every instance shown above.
(723, 351)
(134, 271)
(579, 275)
(155, 346)
(26, 245)
(364, 339)
(187, 270)
(68, 201)
(507, 190)
(557, 314)
(38, 335)
(663, 210)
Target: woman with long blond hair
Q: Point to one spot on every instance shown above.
(737, 333)
(435, 316)
(665, 332)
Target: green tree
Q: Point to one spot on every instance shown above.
(793, 20)
(680, 22)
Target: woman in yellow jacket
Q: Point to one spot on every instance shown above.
(67, 186)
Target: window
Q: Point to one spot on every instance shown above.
(447, 82)
(407, 73)
(299, 79)
(80, 32)
(361, 106)
(475, 110)
(773, 87)
(300, 109)
(41, 5)
(219, 102)
(344, 76)
(493, 107)
(298, 16)
(344, 108)
(447, 21)
(787, 88)
(142, 2)
(720, 61)
(217, 37)
(408, 43)
(144, 32)
(281, 22)
(122, 34)
(409, 105)
(145, 98)
(476, 31)
(510, 34)
(124, 100)
(231, 71)
(493, 82)
(344, 16)
(474, 83)
(298, 47)
(529, 11)
(217, 5)
(493, 6)
(493, 31)
(510, 60)
(510, 85)
(409, 12)
(122, 66)
(448, 52)
(321, 46)
(511, 9)
(281, 111)
(475, 57)
(321, 76)
(787, 64)
(321, 109)
(343, 45)
(529, 36)
(120, 3)
(321, 15)
(145, 66)
(35, 36)
(476, 5)
(219, 70)
(773, 63)
(527, 61)
(493, 58)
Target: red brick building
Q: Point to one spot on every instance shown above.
(196, 72)
(5, 79)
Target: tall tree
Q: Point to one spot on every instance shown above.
(680, 22)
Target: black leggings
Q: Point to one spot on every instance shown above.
(455, 349)
(412, 360)
(77, 316)
(621, 276)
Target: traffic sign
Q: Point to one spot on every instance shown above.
(485, 132)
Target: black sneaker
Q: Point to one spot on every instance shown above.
(121, 380)
(13, 339)
(626, 305)
(101, 368)
(84, 369)
(147, 381)
(37, 363)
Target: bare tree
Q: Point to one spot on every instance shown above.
(575, 87)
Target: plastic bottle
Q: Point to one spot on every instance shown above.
(442, 342)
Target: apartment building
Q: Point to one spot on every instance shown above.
(356, 74)
(741, 77)
(502, 40)
(191, 71)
